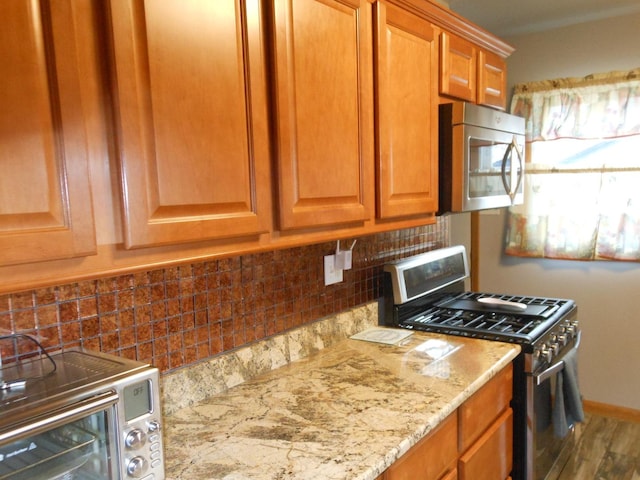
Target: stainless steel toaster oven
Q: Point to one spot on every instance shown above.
(80, 415)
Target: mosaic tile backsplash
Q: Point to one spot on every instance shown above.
(177, 316)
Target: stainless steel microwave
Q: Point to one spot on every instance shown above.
(80, 415)
(481, 158)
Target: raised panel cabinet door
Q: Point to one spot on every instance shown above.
(458, 67)
(407, 113)
(431, 458)
(491, 457)
(492, 80)
(191, 119)
(478, 412)
(45, 199)
(323, 92)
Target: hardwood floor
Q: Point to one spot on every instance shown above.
(606, 449)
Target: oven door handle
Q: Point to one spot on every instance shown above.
(60, 417)
(556, 367)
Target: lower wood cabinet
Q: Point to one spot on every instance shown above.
(490, 458)
(473, 443)
(432, 458)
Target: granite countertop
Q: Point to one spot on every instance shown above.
(347, 411)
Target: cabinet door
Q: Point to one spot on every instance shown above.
(430, 458)
(407, 108)
(491, 457)
(457, 67)
(324, 111)
(492, 80)
(45, 200)
(476, 414)
(190, 109)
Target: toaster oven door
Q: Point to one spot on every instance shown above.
(75, 442)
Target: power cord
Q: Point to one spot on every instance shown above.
(19, 383)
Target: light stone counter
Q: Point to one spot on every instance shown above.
(347, 411)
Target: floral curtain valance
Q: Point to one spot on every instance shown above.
(596, 106)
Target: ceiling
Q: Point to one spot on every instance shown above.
(514, 17)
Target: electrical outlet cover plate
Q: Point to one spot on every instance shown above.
(331, 274)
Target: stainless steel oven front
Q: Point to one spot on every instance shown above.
(80, 415)
(548, 447)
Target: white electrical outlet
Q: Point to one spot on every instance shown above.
(331, 273)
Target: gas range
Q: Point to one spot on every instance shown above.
(426, 292)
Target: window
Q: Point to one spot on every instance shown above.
(582, 182)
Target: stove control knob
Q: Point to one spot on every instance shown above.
(546, 353)
(555, 348)
(562, 339)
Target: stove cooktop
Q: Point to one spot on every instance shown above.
(427, 292)
(517, 319)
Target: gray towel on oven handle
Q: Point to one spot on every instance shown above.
(567, 407)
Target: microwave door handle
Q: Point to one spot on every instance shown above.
(520, 171)
(511, 186)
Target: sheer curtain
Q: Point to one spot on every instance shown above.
(582, 183)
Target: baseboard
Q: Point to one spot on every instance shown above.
(622, 413)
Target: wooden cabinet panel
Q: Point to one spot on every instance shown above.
(458, 67)
(430, 458)
(477, 413)
(492, 80)
(192, 132)
(491, 457)
(452, 475)
(45, 200)
(324, 111)
(407, 109)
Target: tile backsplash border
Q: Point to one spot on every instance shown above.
(179, 316)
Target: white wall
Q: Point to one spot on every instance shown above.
(607, 293)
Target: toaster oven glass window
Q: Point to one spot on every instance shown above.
(80, 450)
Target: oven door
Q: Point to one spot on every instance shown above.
(492, 168)
(75, 442)
(551, 452)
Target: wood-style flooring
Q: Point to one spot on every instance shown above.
(606, 449)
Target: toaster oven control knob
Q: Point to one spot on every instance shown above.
(136, 467)
(135, 439)
(153, 426)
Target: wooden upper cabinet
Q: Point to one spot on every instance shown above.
(407, 113)
(45, 200)
(470, 73)
(457, 67)
(323, 100)
(191, 119)
(492, 80)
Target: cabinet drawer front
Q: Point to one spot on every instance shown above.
(491, 457)
(429, 458)
(480, 411)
